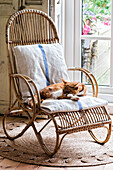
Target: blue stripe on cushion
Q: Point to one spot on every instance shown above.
(45, 63)
(79, 105)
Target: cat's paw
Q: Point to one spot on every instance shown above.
(73, 97)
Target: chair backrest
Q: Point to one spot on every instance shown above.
(28, 27)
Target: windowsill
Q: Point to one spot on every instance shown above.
(104, 92)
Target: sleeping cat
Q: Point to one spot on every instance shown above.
(63, 90)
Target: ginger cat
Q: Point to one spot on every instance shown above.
(63, 90)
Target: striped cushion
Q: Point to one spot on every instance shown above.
(44, 63)
(86, 102)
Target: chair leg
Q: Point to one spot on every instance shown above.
(107, 136)
(7, 129)
(43, 143)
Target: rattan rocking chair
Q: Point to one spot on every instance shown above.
(65, 122)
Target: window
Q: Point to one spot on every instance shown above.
(91, 49)
(96, 39)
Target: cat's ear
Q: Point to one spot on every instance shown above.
(64, 81)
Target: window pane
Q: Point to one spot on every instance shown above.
(96, 19)
(96, 58)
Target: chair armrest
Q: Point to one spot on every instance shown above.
(28, 81)
(91, 78)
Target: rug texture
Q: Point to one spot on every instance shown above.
(77, 149)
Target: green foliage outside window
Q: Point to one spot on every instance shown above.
(97, 10)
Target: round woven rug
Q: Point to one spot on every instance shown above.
(77, 149)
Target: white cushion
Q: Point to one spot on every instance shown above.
(85, 102)
(44, 63)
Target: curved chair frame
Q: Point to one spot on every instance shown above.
(19, 31)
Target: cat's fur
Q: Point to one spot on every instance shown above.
(63, 90)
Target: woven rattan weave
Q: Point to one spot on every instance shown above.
(33, 27)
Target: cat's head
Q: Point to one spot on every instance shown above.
(70, 87)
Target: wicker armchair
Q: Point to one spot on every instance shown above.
(42, 31)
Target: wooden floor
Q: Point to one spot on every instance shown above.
(12, 165)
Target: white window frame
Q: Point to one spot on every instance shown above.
(71, 41)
